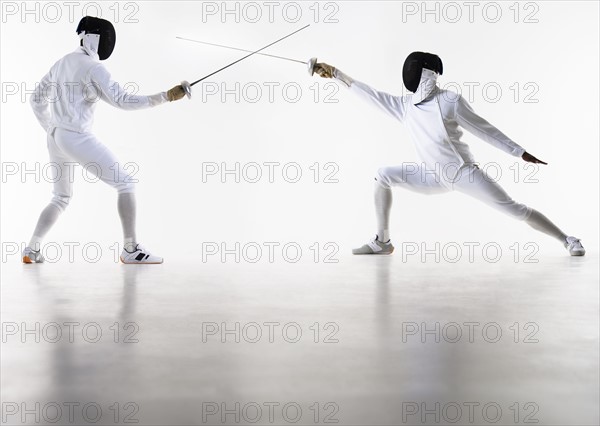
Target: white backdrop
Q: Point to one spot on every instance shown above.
(553, 61)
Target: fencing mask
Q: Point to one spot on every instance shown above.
(413, 67)
(97, 35)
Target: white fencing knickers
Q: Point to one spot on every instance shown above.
(470, 180)
(67, 147)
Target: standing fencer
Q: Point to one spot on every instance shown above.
(434, 118)
(64, 104)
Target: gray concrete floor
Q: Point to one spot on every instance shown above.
(366, 365)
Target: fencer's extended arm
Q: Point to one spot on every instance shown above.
(110, 91)
(470, 121)
(342, 77)
(393, 105)
(39, 102)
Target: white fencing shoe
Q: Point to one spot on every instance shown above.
(139, 256)
(375, 247)
(574, 246)
(32, 256)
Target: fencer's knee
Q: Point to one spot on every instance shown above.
(382, 177)
(526, 213)
(61, 201)
(517, 210)
(125, 187)
(121, 181)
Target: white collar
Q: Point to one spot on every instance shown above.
(88, 47)
(426, 87)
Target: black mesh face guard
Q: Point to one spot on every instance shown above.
(106, 31)
(413, 67)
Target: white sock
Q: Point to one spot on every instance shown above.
(47, 219)
(35, 243)
(383, 206)
(383, 235)
(126, 207)
(541, 223)
(129, 245)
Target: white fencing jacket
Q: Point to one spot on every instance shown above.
(434, 118)
(66, 97)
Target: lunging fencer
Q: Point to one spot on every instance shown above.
(64, 104)
(434, 118)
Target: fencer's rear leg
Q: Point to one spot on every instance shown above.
(381, 244)
(541, 223)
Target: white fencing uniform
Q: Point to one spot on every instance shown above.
(433, 118)
(66, 147)
(64, 104)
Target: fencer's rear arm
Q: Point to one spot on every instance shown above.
(39, 102)
(469, 120)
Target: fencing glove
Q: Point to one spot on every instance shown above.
(175, 93)
(324, 70)
(327, 71)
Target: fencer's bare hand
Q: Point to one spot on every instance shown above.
(531, 159)
(324, 70)
(175, 93)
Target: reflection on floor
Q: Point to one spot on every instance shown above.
(368, 340)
